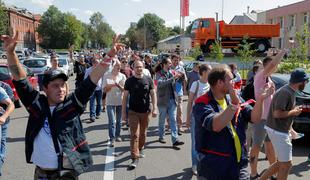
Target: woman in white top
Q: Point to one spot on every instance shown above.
(197, 89)
(113, 84)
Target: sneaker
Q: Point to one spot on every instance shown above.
(194, 170)
(134, 163)
(98, 117)
(118, 139)
(256, 177)
(178, 143)
(141, 154)
(162, 140)
(103, 109)
(92, 119)
(111, 143)
(179, 133)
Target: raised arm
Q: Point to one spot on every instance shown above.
(103, 66)
(15, 67)
(272, 66)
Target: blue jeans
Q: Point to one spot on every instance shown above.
(171, 109)
(3, 132)
(194, 152)
(95, 109)
(114, 111)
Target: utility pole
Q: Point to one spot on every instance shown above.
(222, 9)
(144, 32)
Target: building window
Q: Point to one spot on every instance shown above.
(306, 18)
(293, 21)
(281, 22)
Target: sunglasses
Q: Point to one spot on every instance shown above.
(124, 62)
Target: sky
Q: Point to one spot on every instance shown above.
(119, 13)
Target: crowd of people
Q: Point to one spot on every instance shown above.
(228, 126)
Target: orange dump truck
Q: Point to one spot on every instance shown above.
(205, 31)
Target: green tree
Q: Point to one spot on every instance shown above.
(244, 52)
(196, 51)
(216, 51)
(131, 35)
(52, 29)
(153, 27)
(176, 30)
(100, 32)
(3, 19)
(298, 56)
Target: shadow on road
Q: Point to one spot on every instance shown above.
(186, 175)
(12, 140)
(22, 117)
(302, 167)
(96, 127)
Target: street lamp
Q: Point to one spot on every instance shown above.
(222, 9)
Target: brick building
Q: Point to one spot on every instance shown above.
(26, 23)
(291, 17)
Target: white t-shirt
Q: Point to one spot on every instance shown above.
(114, 96)
(44, 154)
(203, 88)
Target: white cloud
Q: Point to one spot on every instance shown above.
(74, 9)
(136, 0)
(43, 3)
(89, 12)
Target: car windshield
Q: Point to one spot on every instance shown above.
(195, 24)
(62, 62)
(35, 63)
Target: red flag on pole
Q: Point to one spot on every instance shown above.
(184, 8)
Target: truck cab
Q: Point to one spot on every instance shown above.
(203, 33)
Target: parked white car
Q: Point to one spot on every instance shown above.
(37, 65)
(19, 54)
(66, 65)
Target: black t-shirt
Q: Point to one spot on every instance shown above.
(139, 91)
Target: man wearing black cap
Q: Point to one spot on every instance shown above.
(279, 123)
(55, 140)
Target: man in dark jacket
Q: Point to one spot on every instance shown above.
(80, 68)
(55, 140)
(220, 128)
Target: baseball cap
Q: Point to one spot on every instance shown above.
(299, 75)
(51, 75)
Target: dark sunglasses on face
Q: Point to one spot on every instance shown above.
(124, 62)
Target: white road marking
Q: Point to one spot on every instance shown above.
(109, 164)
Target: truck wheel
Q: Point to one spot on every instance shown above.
(204, 49)
(207, 47)
(261, 46)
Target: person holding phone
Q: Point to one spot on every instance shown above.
(279, 123)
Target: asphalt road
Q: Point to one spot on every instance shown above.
(161, 161)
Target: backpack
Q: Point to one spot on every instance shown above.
(248, 90)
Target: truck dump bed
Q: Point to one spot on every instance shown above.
(251, 30)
